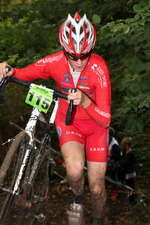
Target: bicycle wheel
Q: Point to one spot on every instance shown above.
(35, 190)
(9, 171)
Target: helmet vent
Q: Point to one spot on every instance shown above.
(67, 34)
(74, 30)
(68, 24)
(81, 30)
(86, 25)
(87, 35)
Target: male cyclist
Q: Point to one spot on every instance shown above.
(87, 136)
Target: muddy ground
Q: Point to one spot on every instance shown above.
(60, 197)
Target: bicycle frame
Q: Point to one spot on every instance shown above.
(30, 130)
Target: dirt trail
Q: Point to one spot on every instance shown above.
(60, 197)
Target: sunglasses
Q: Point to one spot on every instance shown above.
(75, 58)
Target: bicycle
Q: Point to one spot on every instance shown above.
(24, 164)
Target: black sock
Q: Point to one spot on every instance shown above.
(79, 199)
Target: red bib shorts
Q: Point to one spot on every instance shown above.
(88, 133)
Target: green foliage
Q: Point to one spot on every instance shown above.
(96, 19)
(125, 46)
(140, 212)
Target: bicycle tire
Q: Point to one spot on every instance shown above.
(8, 158)
(45, 162)
(36, 187)
(9, 171)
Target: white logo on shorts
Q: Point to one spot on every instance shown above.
(97, 149)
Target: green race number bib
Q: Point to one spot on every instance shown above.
(39, 98)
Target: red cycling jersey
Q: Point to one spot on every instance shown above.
(89, 125)
(94, 81)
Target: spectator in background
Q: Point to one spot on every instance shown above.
(114, 156)
(127, 171)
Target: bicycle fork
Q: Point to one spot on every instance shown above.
(30, 130)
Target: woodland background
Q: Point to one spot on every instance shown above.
(29, 31)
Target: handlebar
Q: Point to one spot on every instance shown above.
(56, 94)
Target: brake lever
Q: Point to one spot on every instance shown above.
(70, 109)
(8, 68)
(73, 90)
(3, 84)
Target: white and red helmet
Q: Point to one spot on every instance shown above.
(77, 35)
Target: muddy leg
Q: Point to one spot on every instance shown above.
(73, 154)
(96, 175)
(98, 202)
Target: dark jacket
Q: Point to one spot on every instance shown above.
(127, 167)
